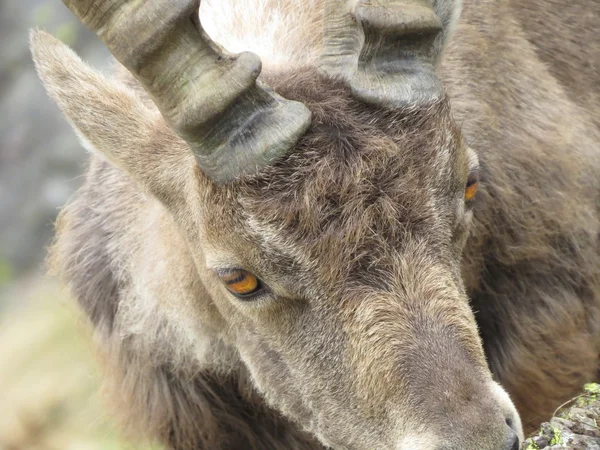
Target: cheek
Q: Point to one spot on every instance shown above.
(463, 226)
(272, 376)
(297, 366)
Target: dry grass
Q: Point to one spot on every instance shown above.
(49, 397)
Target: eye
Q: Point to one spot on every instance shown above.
(240, 283)
(472, 185)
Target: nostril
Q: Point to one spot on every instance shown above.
(513, 426)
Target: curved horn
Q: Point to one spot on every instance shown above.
(233, 123)
(386, 50)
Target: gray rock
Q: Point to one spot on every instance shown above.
(40, 158)
(575, 427)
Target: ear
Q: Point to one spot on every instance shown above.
(110, 119)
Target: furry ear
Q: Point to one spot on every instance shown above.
(109, 118)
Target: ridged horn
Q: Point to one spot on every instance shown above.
(234, 124)
(386, 50)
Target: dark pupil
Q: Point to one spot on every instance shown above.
(473, 178)
(237, 279)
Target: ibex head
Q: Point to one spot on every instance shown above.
(327, 229)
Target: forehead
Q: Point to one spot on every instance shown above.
(361, 180)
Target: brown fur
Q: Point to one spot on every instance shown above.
(368, 338)
(532, 259)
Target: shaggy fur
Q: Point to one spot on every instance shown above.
(384, 288)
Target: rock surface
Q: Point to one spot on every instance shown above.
(575, 426)
(40, 158)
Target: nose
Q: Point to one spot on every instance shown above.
(515, 431)
(501, 431)
(511, 417)
(512, 440)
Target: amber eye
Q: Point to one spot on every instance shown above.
(472, 186)
(240, 283)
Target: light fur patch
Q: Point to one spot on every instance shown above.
(418, 441)
(285, 34)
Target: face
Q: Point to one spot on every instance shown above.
(338, 271)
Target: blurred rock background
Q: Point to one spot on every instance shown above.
(49, 380)
(40, 160)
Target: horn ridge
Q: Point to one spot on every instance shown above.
(206, 94)
(342, 39)
(393, 61)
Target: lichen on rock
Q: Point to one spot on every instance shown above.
(575, 426)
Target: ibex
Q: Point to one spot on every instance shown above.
(353, 250)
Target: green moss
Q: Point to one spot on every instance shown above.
(532, 446)
(556, 437)
(592, 389)
(591, 394)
